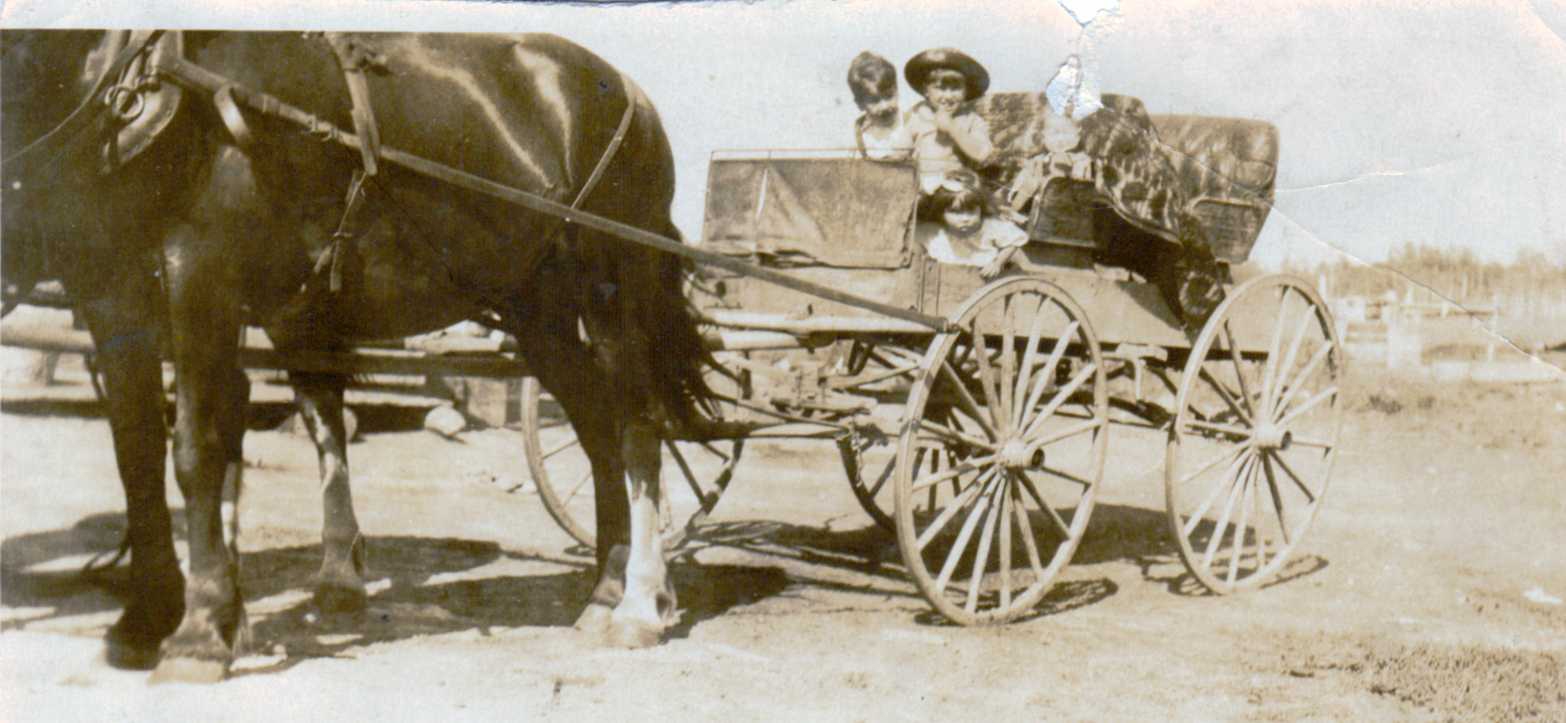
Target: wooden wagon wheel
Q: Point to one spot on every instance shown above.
(1005, 436)
(1255, 433)
(564, 478)
(869, 461)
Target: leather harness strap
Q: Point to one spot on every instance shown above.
(354, 58)
(632, 97)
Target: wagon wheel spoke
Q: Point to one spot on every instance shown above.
(1239, 368)
(1026, 371)
(1301, 326)
(952, 508)
(960, 546)
(1065, 476)
(1225, 481)
(1277, 499)
(707, 500)
(969, 404)
(1005, 547)
(1223, 517)
(953, 436)
(988, 381)
(1261, 514)
(1240, 526)
(1225, 394)
(1042, 380)
(1239, 433)
(981, 559)
(1067, 433)
(1270, 369)
(1283, 464)
(1008, 370)
(966, 466)
(1297, 384)
(1214, 462)
(1020, 511)
(1060, 398)
(1060, 524)
(1308, 405)
(562, 446)
(580, 483)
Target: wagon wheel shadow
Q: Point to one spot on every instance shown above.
(861, 561)
(1141, 536)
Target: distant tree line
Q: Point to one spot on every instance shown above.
(1533, 282)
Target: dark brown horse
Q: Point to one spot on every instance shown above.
(206, 229)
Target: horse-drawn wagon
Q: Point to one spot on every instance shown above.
(983, 410)
(981, 437)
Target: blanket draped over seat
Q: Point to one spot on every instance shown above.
(1186, 179)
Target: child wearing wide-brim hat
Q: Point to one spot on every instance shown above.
(947, 135)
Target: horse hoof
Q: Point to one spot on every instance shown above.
(594, 619)
(336, 597)
(634, 634)
(131, 652)
(189, 670)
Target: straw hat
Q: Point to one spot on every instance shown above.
(920, 66)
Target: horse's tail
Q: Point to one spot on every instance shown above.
(673, 348)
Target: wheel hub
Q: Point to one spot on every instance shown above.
(1270, 436)
(1018, 454)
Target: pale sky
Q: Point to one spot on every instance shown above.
(1442, 123)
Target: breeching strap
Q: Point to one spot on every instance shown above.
(199, 78)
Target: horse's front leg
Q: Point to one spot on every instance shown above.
(205, 323)
(648, 607)
(124, 324)
(340, 585)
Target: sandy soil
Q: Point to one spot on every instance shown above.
(1429, 589)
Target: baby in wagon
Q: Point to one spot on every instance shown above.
(964, 234)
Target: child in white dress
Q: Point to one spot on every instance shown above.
(964, 235)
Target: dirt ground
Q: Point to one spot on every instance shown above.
(1429, 588)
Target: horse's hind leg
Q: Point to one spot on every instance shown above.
(340, 585)
(124, 329)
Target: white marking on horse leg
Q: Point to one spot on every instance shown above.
(648, 606)
(233, 484)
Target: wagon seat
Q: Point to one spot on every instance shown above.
(1226, 168)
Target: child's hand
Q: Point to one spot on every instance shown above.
(992, 269)
(943, 120)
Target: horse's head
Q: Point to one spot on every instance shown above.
(44, 77)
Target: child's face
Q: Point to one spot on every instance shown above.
(880, 108)
(962, 219)
(945, 89)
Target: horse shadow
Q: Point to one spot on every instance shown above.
(411, 593)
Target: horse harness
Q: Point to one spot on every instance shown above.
(139, 92)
